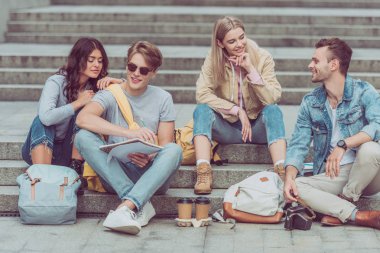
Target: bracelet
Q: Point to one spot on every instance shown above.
(123, 80)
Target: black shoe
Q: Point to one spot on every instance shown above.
(77, 165)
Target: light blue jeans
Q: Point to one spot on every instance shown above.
(41, 134)
(127, 180)
(267, 128)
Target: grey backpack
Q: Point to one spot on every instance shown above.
(48, 195)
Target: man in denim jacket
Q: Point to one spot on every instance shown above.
(343, 117)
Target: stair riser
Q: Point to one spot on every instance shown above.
(114, 62)
(164, 204)
(189, 79)
(241, 3)
(173, 63)
(179, 96)
(196, 40)
(185, 18)
(168, 28)
(235, 153)
(184, 178)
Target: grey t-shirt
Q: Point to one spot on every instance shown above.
(148, 109)
(53, 108)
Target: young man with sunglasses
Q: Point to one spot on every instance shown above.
(134, 182)
(343, 118)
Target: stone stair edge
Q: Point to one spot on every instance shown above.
(201, 10)
(356, 4)
(92, 202)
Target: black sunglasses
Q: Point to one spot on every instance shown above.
(143, 70)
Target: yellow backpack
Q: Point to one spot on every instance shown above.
(93, 181)
(183, 137)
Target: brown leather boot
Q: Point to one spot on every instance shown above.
(368, 219)
(204, 179)
(280, 170)
(328, 220)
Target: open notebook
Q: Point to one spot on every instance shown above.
(121, 150)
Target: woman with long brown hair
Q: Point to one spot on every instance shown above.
(237, 92)
(50, 136)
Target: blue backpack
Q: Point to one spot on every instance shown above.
(48, 195)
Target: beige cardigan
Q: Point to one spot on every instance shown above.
(218, 96)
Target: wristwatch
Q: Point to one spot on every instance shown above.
(342, 144)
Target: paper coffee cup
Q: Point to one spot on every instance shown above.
(185, 207)
(202, 207)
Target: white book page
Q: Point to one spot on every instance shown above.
(121, 150)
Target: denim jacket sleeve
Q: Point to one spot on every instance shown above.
(299, 144)
(371, 102)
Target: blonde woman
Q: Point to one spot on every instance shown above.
(237, 92)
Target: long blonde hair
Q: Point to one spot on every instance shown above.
(219, 55)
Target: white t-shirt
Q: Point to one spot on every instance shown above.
(349, 156)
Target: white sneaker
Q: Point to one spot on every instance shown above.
(145, 214)
(123, 220)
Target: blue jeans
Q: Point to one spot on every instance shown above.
(41, 134)
(267, 128)
(127, 180)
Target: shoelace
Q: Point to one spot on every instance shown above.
(202, 176)
(133, 214)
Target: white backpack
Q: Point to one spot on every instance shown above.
(48, 195)
(260, 194)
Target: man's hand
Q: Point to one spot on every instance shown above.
(140, 159)
(290, 188)
(246, 129)
(333, 162)
(143, 133)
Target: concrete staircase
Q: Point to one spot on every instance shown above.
(39, 39)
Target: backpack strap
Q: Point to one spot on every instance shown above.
(124, 106)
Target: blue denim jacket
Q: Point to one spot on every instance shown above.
(358, 111)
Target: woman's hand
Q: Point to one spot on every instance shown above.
(246, 129)
(84, 97)
(144, 134)
(106, 81)
(243, 61)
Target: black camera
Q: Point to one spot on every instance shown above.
(298, 217)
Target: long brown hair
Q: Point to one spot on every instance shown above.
(218, 55)
(77, 62)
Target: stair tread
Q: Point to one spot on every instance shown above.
(203, 10)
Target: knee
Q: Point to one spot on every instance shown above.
(80, 138)
(202, 110)
(272, 111)
(174, 152)
(369, 151)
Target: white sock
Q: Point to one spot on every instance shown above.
(279, 162)
(199, 161)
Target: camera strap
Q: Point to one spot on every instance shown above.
(308, 211)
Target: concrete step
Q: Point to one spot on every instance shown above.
(173, 78)
(248, 3)
(223, 176)
(180, 94)
(184, 39)
(10, 149)
(179, 63)
(191, 14)
(165, 205)
(175, 57)
(191, 28)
